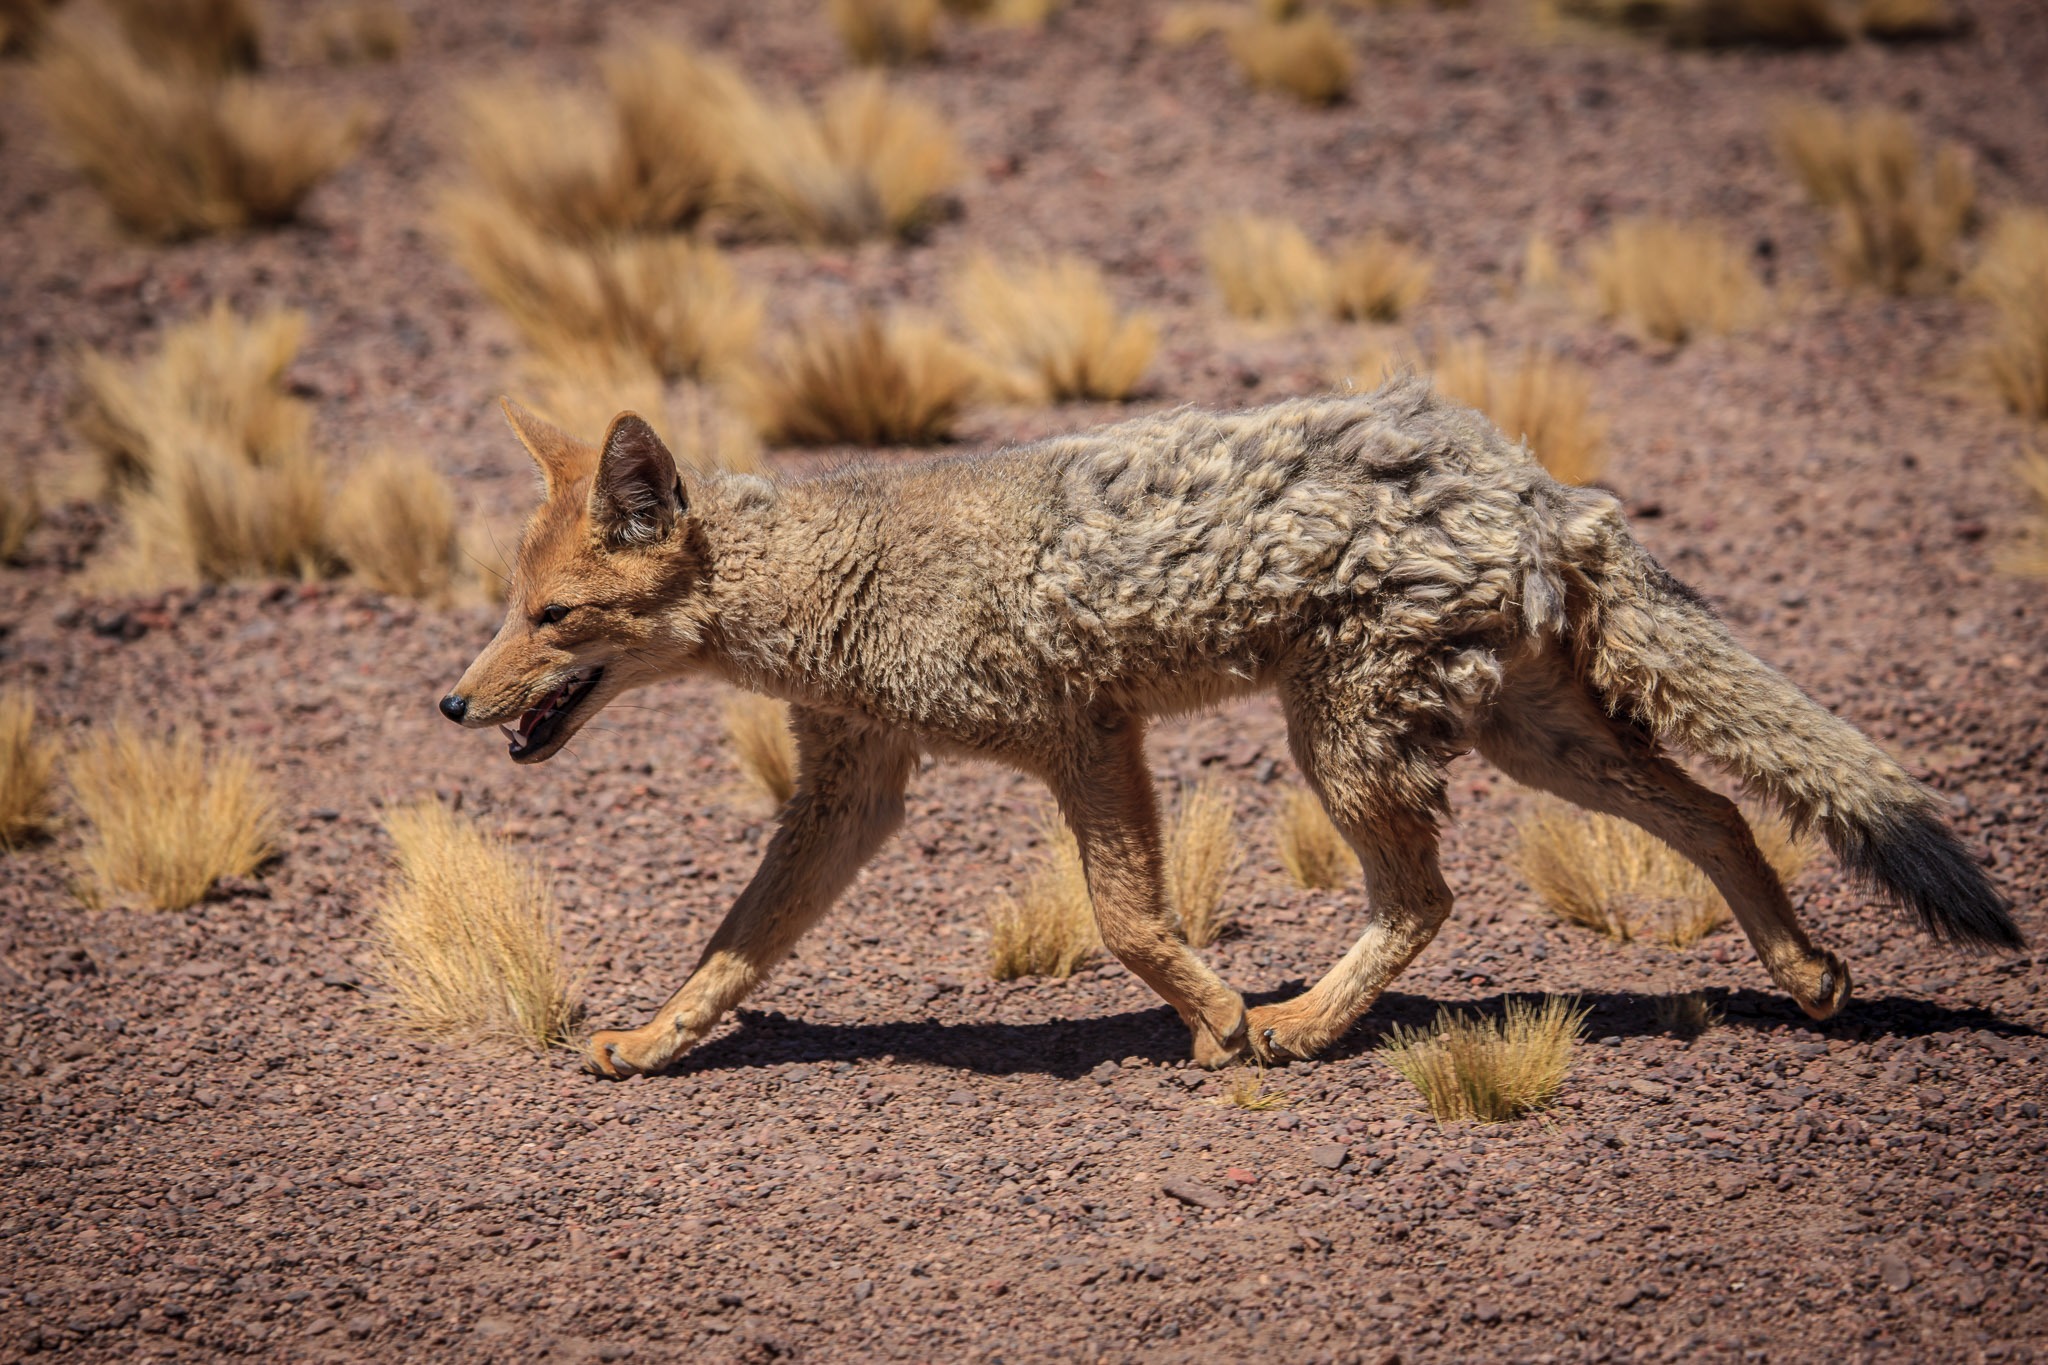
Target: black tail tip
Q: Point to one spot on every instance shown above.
(1919, 862)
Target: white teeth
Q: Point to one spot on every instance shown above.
(509, 733)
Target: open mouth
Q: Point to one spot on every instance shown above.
(541, 722)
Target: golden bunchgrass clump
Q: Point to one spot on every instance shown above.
(169, 816)
(1377, 279)
(1266, 267)
(27, 761)
(21, 507)
(352, 32)
(1674, 280)
(1247, 1090)
(1611, 877)
(394, 525)
(1688, 1015)
(2029, 556)
(175, 153)
(1049, 928)
(219, 372)
(1899, 211)
(757, 727)
(1304, 55)
(581, 390)
(1541, 399)
(1909, 20)
(863, 382)
(468, 936)
(206, 38)
(2012, 277)
(665, 302)
(1311, 849)
(1201, 855)
(869, 163)
(1054, 328)
(886, 32)
(1491, 1071)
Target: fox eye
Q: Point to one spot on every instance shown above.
(550, 615)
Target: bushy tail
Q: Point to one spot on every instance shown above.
(1655, 651)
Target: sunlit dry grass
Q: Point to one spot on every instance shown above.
(1266, 267)
(1049, 928)
(1247, 1090)
(1611, 877)
(468, 937)
(2029, 554)
(1054, 328)
(862, 382)
(580, 390)
(1305, 55)
(1377, 279)
(220, 372)
(177, 154)
(2012, 277)
(28, 760)
(671, 302)
(350, 32)
(169, 816)
(1900, 211)
(886, 32)
(1201, 856)
(21, 508)
(757, 728)
(1313, 852)
(1539, 398)
(393, 524)
(1688, 1015)
(870, 162)
(205, 38)
(1477, 1068)
(1909, 20)
(1673, 280)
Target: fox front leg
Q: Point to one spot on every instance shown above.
(849, 800)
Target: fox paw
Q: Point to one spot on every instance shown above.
(1279, 1034)
(1822, 986)
(1212, 1053)
(621, 1055)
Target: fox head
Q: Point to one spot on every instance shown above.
(606, 594)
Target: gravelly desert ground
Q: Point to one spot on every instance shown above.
(216, 1144)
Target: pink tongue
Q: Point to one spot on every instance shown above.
(528, 719)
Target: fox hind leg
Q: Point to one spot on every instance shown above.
(1548, 732)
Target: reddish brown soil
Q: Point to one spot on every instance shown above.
(216, 1144)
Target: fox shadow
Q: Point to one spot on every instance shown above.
(1069, 1048)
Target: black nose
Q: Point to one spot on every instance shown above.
(454, 707)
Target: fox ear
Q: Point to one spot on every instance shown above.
(562, 458)
(637, 496)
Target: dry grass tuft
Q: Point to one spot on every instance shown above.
(1543, 400)
(1055, 328)
(869, 163)
(177, 155)
(2013, 278)
(1050, 929)
(1477, 1068)
(21, 507)
(206, 38)
(394, 525)
(1377, 279)
(468, 937)
(1900, 213)
(1909, 20)
(886, 32)
(2030, 555)
(27, 762)
(757, 727)
(1201, 855)
(1266, 267)
(1611, 877)
(1311, 849)
(169, 817)
(210, 515)
(1674, 280)
(665, 301)
(580, 391)
(1304, 55)
(352, 32)
(1247, 1090)
(863, 383)
(1688, 1015)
